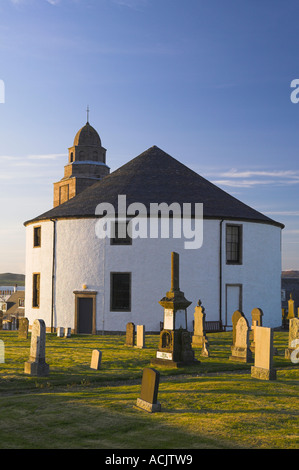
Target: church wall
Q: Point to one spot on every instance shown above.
(39, 260)
(149, 260)
(82, 258)
(259, 273)
(80, 262)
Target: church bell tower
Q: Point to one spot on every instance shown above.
(86, 165)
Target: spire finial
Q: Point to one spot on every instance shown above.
(87, 111)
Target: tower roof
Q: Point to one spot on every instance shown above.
(156, 177)
(87, 135)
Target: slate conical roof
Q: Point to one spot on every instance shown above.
(155, 177)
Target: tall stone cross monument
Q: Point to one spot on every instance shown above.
(175, 340)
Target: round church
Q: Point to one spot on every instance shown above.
(101, 257)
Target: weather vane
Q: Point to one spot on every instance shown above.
(87, 111)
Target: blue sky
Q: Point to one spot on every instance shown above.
(206, 81)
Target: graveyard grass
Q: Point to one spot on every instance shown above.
(213, 405)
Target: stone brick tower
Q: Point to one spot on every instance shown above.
(86, 165)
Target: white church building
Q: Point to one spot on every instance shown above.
(77, 278)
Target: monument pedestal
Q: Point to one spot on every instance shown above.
(175, 349)
(199, 340)
(149, 407)
(36, 368)
(240, 354)
(263, 374)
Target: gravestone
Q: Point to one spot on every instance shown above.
(149, 391)
(257, 315)
(199, 337)
(96, 359)
(23, 328)
(140, 341)
(291, 308)
(60, 332)
(205, 348)
(263, 361)
(36, 365)
(240, 350)
(252, 336)
(284, 318)
(130, 334)
(68, 333)
(256, 320)
(236, 316)
(293, 335)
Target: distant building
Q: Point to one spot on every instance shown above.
(15, 305)
(76, 279)
(3, 300)
(289, 285)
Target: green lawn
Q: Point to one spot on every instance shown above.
(213, 405)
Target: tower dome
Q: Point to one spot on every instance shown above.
(87, 135)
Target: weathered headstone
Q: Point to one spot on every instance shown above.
(252, 336)
(68, 333)
(23, 328)
(140, 338)
(236, 316)
(284, 318)
(149, 391)
(199, 337)
(130, 334)
(293, 335)
(291, 308)
(60, 332)
(257, 315)
(36, 365)
(240, 350)
(205, 348)
(257, 320)
(263, 361)
(96, 359)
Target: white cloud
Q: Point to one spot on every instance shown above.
(49, 156)
(134, 4)
(283, 213)
(19, 2)
(233, 173)
(243, 183)
(250, 178)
